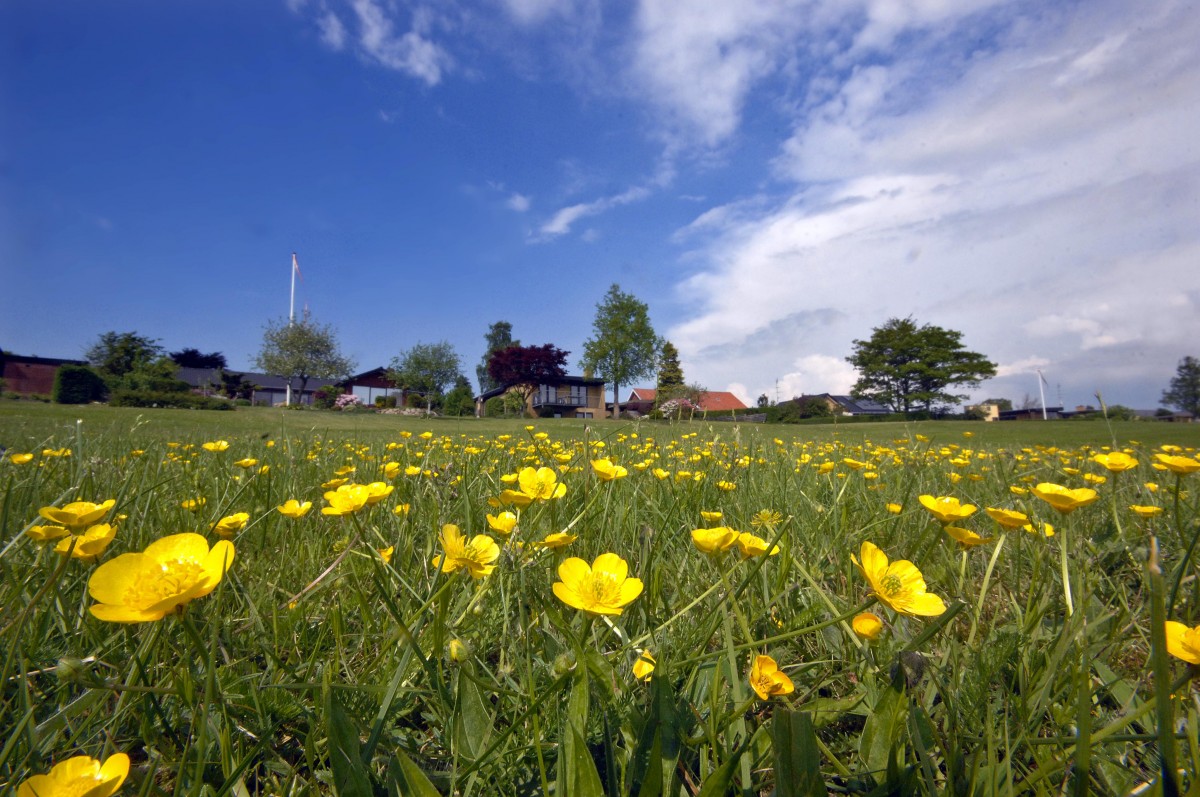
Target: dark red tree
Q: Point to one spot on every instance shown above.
(523, 368)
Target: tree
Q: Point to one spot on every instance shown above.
(194, 358)
(459, 401)
(1184, 391)
(499, 336)
(623, 346)
(117, 353)
(670, 373)
(1002, 404)
(905, 366)
(523, 368)
(301, 350)
(426, 368)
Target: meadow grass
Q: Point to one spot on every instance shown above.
(335, 656)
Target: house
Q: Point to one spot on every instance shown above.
(568, 397)
(1033, 414)
(268, 389)
(843, 405)
(642, 401)
(987, 410)
(24, 374)
(370, 384)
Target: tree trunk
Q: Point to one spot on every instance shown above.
(616, 401)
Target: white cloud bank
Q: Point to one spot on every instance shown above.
(1038, 191)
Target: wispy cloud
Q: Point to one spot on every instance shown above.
(560, 223)
(332, 31)
(518, 202)
(412, 53)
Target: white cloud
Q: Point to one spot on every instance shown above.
(411, 52)
(333, 32)
(1038, 194)
(518, 202)
(530, 12)
(560, 223)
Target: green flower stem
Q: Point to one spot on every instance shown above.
(1161, 665)
(1066, 572)
(987, 579)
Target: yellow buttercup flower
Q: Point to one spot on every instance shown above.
(767, 680)
(20, 459)
(377, 491)
(1008, 518)
(1045, 528)
(401, 509)
(229, 525)
(711, 516)
(966, 537)
(899, 585)
(765, 518)
(895, 509)
(248, 462)
(607, 471)
(475, 557)
(293, 508)
(46, 533)
(77, 514)
(644, 666)
(1115, 462)
(750, 545)
(88, 545)
(946, 509)
(80, 776)
(541, 484)
(604, 587)
(216, 446)
(391, 470)
(137, 587)
(661, 474)
(714, 540)
(1183, 642)
(333, 484)
(194, 504)
(1064, 499)
(1178, 464)
(726, 486)
(1146, 511)
(867, 625)
(557, 539)
(346, 500)
(386, 554)
(502, 523)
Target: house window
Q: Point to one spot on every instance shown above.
(545, 394)
(579, 394)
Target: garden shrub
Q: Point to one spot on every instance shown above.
(161, 399)
(325, 396)
(77, 384)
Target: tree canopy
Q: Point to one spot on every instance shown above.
(194, 358)
(426, 368)
(1184, 391)
(623, 346)
(906, 367)
(118, 353)
(301, 350)
(670, 373)
(523, 368)
(499, 336)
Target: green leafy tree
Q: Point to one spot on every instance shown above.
(426, 368)
(498, 337)
(302, 350)
(118, 353)
(670, 372)
(907, 367)
(1184, 391)
(623, 346)
(459, 401)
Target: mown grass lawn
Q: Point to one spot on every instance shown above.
(462, 609)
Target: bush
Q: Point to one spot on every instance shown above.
(347, 402)
(325, 396)
(151, 398)
(77, 384)
(385, 402)
(242, 402)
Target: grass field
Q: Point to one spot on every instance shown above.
(570, 608)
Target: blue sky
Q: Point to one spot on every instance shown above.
(773, 178)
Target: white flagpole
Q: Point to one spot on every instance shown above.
(292, 319)
(1042, 392)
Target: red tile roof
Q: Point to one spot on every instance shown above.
(710, 401)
